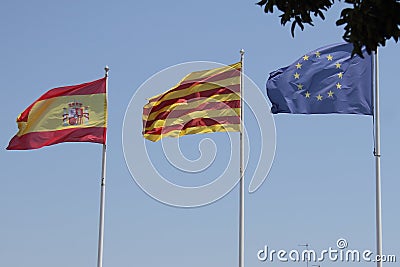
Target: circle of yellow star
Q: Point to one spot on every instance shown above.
(305, 57)
(300, 86)
(298, 66)
(340, 75)
(319, 97)
(329, 57)
(330, 93)
(338, 65)
(338, 86)
(308, 94)
(297, 75)
(318, 54)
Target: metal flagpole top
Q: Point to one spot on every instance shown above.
(106, 68)
(242, 51)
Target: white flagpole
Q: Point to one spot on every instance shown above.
(241, 211)
(102, 195)
(377, 154)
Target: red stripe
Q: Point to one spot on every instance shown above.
(196, 123)
(209, 79)
(35, 140)
(89, 88)
(203, 107)
(195, 96)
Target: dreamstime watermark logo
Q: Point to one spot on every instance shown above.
(157, 167)
(339, 253)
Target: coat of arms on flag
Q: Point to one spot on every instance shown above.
(75, 114)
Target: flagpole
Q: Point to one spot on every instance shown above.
(102, 195)
(377, 154)
(241, 199)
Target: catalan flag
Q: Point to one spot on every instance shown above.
(202, 102)
(76, 113)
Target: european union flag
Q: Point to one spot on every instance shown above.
(326, 80)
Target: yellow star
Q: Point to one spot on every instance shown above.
(300, 86)
(319, 97)
(298, 66)
(329, 57)
(318, 54)
(308, 94)
(330, 93)
(340, 75)
(338, 86)
(297, 76)
(338, 65)
(305, 57)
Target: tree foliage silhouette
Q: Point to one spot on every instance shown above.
(368, 23)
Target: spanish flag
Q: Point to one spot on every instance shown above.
(76, 113)
(202, 102)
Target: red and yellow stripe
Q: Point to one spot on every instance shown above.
(202, 102)
(43, 124)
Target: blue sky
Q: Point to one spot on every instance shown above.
(320, 187)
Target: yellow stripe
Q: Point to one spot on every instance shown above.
(193, 89)
(47, 115)
(195, 115)
(192, 104)
(195, 130)
(197, 75)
